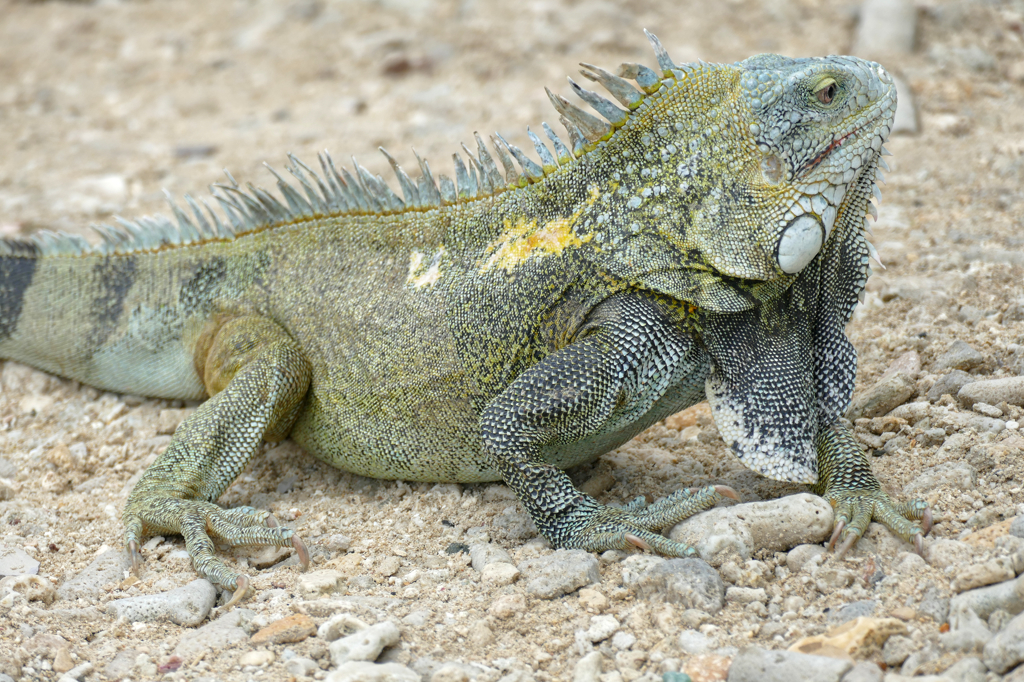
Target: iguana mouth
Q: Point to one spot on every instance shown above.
(834, 145)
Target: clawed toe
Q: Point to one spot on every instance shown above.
(301, 552)
(726, 491)
(835, 534)
(240, 591)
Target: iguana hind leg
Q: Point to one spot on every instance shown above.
(627, 356)
(846, 482)
(257, 377)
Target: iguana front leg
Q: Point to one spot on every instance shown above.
(258, 377)
(846, 482)
(619, 366)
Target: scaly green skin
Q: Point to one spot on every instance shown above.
(496, 332)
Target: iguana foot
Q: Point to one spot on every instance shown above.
(597, 528)
(198, 522)
(855, 509)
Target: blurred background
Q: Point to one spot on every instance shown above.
(104, 104)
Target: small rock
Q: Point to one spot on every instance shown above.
(108, 567)
(1017, 527)
(987, 410)
(689, 582)
(746, 595)
(957, 475)
(588, 668)
(984, 425)
(967, 633)
(693, 618)
(62, 661)
(187, 606)
(339, 543)
(499, 573)
(622, 641)
(32, 587)
(121, 665)
(364, 645)
(1006, 650)
(864, 671)
(79, 672)
(694, 642)
(998, 620)
(561, 572)
(798, 557)
(886, 28)
(950, 384)
(722, 534)
(257, 658)
(301, 667)
(897, 649)
(286, 630)
(450, 672)
(1008, 596)
(905, 613)
(322, 582)
(754, 664)
(960, 356)
(508, 605)
(601, 628)
(592, 599)
(852, 611)
(884, 396)
(340, 625)
(707, 668)
(231, 628)
(969, 669)
(993, 392)
(988, 573)
(15, 561)
(858, 638)
(363, 671)
(933, 605)
(483, 553)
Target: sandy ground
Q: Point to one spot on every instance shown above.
(103, 105)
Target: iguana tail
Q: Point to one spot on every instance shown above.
(114, 321)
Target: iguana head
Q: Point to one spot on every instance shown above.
(818, 125)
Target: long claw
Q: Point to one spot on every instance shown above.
(634, 540)
(301, 551)
(835, 534)
(919, 544)
(926, 521)
(841, 552)
(243, 587)
(271, 521)
(136, 557)
(726, 491)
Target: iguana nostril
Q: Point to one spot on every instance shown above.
(799, 244)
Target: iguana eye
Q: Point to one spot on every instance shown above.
(827, 92)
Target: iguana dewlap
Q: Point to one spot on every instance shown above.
(703, 239)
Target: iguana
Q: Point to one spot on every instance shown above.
(702, 239)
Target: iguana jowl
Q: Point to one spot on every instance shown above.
(703, 240)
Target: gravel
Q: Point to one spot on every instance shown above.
(754, 664)
(691, 583)
(559, 573)
(187, 606)
(93, 127)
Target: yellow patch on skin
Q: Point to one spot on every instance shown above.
(525, 239)
(420, 277)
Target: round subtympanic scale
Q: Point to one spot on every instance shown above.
(799, 244)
